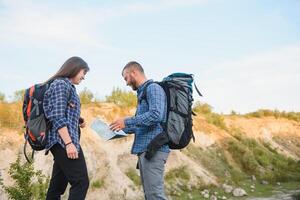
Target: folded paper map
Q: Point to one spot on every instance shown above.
(102, 129)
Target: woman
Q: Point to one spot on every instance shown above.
(62, 108)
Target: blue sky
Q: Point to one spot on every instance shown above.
(245, 54)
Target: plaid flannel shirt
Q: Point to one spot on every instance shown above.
(146, 124)
(62, 107)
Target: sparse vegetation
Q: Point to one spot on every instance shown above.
(99, 183)
(2, 97)
(11, 115)
(28, 183)
(233, 163)
(214, 160)
(255, 158)
(18, 95)
(275, 113)
(131, 173)
(178, 173)
(86, 96)
(122, 98)
(212, 118)
(177, 181)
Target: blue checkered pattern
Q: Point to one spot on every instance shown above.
(146, 124)
(62, 108)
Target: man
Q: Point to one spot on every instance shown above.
(146, 124)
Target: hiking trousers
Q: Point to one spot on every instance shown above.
(66, 171)
(152, 175)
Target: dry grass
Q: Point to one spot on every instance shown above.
(11, 115)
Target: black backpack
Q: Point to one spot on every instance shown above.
(177, 130)
(36, 124)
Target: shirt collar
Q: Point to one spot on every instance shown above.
(69, 81)
(142, 87)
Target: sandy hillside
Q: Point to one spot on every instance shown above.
(109, 161)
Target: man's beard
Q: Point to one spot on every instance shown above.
(134, 85)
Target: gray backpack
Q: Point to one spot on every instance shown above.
(177, 130)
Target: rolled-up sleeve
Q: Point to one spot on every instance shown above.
(129, 129)
(55, 104)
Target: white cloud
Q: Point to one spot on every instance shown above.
(44, 24)
(266, 80)
(158, 5)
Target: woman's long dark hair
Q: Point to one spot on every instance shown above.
(70, 68)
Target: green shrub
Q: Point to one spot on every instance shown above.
(25, 186)
(2, 97)
(178, 173)
(262, 157)
(18, 95)
(263, 161)
(99, 183)
(237, 133)
(214, 160)
(122, 98)
(131, 173)
(275, 113)
(86, 96)
(216, 120)
(233, 113)
(249, 162)
(212, 118)
(203, 108)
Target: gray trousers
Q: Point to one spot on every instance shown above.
(152, 175)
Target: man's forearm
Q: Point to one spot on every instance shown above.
(146, 119)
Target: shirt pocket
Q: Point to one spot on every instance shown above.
(73, 102)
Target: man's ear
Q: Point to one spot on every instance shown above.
(134, 72)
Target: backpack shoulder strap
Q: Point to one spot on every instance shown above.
(198, 91)
(144, 94)
(28, 110)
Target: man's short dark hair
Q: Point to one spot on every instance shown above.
(133, 65)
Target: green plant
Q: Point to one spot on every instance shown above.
(236, 133)
(275, 113)
(215, 161)
(18, 95)
(2, 97)
(25, 186)
(132, 175)
(122, 98)
(217, 120)
(86, 96)
(178, 173)
(233, 113)
(99, 183)
(212, 118)
(203, 108)
(177, 181)
(263, 161)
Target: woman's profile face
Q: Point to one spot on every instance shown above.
(79, 77)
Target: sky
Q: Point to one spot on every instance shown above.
(245, 54)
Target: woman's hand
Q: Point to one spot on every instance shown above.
(81, 122)
(72, 152)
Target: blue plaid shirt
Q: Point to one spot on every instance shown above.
(146, 124)
(62, 108)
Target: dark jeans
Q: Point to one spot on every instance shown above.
(66, 171)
